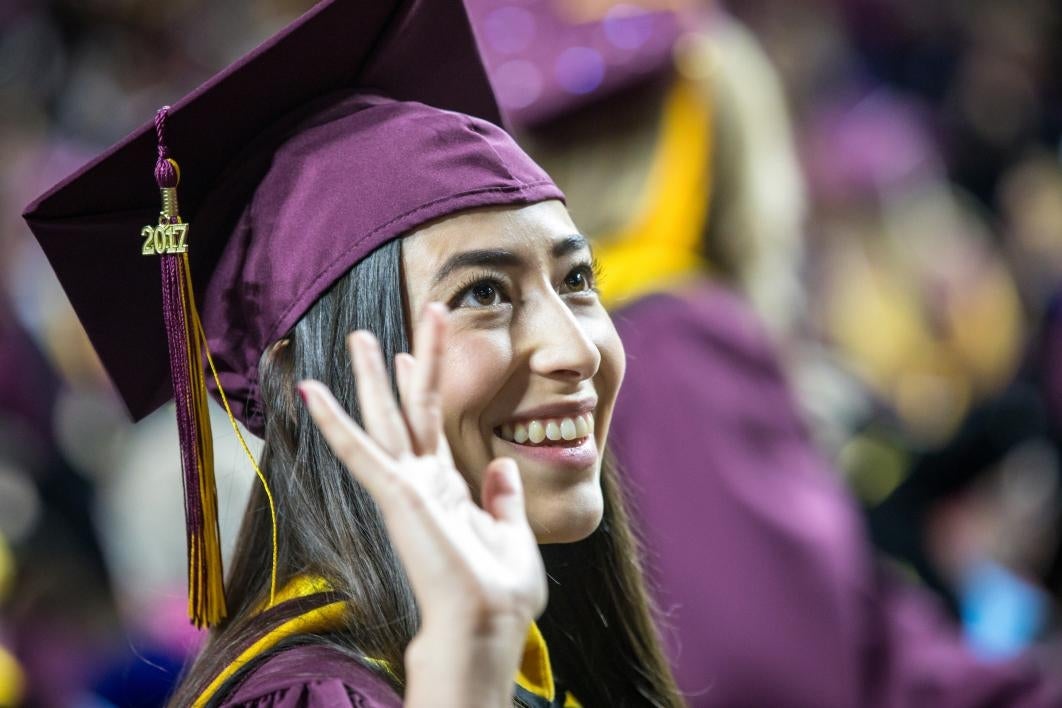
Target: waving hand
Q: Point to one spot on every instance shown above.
(475, 569)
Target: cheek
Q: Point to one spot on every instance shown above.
(475, 367)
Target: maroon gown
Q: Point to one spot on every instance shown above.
(756, 551)
(308, 676)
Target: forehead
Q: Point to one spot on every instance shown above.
(529, 230)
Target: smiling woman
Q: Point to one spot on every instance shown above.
(541, 354)
(395, 550)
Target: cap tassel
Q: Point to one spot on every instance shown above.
(206, 589)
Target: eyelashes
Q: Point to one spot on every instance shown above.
(595, 269)
(480, 290)
(490, 289)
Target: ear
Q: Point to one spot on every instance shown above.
(277, 360)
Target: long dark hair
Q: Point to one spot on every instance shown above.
(598, 623)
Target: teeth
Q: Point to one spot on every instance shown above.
(536, 433)
(553, 429)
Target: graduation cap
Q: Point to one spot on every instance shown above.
(354, 125)
(548, 58)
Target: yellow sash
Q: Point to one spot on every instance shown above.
(534, 674)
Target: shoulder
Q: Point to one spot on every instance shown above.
(312, 675)
(703, 321)
(701, 306)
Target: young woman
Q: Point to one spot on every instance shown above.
(512, 345)
(413, 533)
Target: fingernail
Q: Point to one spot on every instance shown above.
(302, 394)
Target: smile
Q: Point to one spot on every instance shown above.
(548, 431)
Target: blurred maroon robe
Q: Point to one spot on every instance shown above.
(756, 550)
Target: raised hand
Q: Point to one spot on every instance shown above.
(475, 570)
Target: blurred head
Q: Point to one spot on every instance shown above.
(532, 363)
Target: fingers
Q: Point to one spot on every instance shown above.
(379, 411)
(354, 448)
(503, 493)
(421, 399)
(405, 369)
(404, 366)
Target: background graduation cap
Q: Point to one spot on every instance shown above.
(340, 105)
(548, 58)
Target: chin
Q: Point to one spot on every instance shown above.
(568, 517)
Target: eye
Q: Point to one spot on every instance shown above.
(483, 292)
(580, 279)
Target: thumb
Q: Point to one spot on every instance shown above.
(503, 492)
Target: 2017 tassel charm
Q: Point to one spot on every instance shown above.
(168, 240)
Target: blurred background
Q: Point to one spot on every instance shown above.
(895, 216)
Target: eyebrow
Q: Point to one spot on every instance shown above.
(569, 245)
(484, 258)
(500, 258)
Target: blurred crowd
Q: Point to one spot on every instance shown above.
(891, 205)
(930, 139)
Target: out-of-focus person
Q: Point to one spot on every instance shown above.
(771, 590)
(895, 244)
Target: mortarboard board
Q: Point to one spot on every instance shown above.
(354, 125)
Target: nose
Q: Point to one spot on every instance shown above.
(561, 345)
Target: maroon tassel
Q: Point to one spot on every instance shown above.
(206, 594)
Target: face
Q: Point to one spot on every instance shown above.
(532, 363)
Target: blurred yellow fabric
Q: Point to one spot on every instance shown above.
(7, 567)
(11, 680)
(661, 245)
(931, 343)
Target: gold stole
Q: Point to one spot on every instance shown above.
(534, 674)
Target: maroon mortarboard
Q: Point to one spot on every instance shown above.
(354, 125)
(547, 58)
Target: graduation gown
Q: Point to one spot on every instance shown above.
(756, 551)
(309, 676)
(267, 674)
